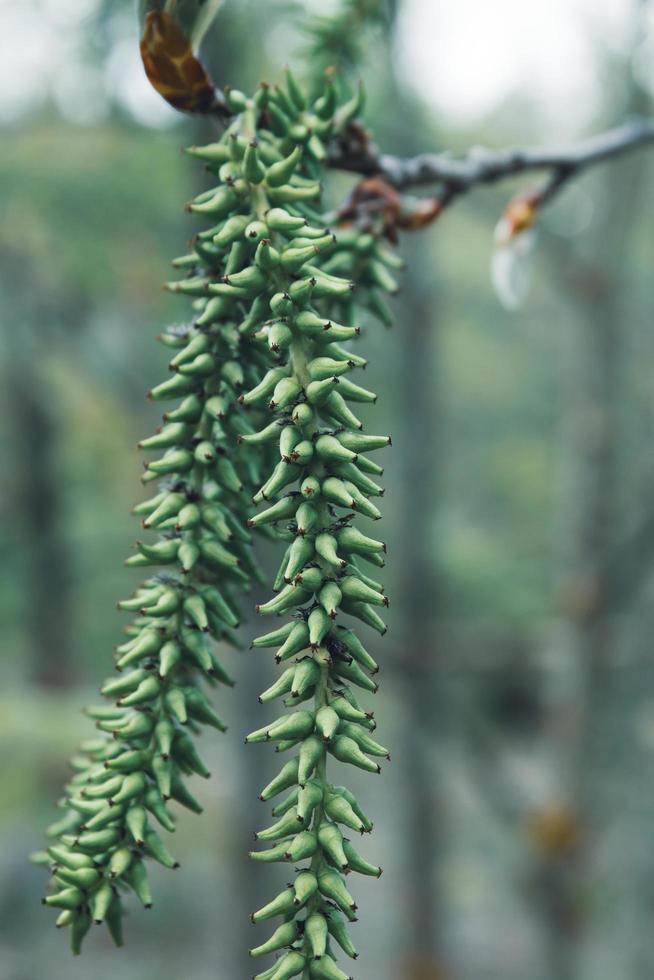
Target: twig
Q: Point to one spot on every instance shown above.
(457, 175)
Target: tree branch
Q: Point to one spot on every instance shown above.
(457, 175)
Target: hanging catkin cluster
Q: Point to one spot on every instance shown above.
(320, 482)
(274, 305)
(121, 784)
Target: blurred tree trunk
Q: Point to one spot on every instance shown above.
(419, 673)
(37, 504)
(591, 724)
(418, 459)
(39, 508)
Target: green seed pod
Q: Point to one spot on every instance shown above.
(146, 691)
(327, 722)
(346, 750)
(285, 935)
(120, 861)
(351, 539)
(304, 845)
(70, 859)
(281, 905)
(132, 785)
(279, 511)
(271, 856)
(351, 472)
(290, 965)
(265, 387)
(287, 824)
(67, 898)
(311, 753)
(326, 969)
(285, 392)
(275, 637)
(288, 776)
(309, 797)
(136, 821)
(331, 841)
(357, 863)
(136, 876)
(102, 899)
(253, 171)
(157, 849)
(296, 640)
(326, 546)
(279, 337)
(304, 886)
(279, 688)
(315, 930)
(329, 598)
(297, 725)
(305, 676)
(353, 673)
(364, 739)
(288, 803)
(300, 552)
(340, 811)
(332, 887)
(338, 929)
(345, 710)
(356, 649)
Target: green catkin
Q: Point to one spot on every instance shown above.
(261, 391)
(197, 568)
(295, 311)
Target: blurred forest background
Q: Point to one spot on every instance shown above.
(516, 821)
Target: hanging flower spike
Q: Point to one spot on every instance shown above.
(270, 163)
(204, 561)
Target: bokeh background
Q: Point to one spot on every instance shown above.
(516, 821)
